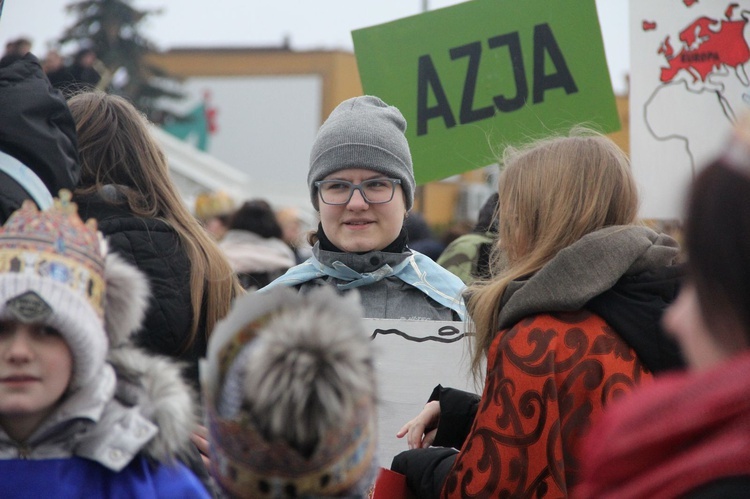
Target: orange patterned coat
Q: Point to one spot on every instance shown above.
(548, 378)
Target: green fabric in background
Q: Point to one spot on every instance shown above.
(481, 74)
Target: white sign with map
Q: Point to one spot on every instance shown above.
(411, 358)
(689, 83)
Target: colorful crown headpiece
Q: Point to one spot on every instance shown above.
(55, 244)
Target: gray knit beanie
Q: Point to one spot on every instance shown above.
(363, 132)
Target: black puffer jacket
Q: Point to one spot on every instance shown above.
(154, 247)
(37, 129)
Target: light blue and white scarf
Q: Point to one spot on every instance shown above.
(416, 270)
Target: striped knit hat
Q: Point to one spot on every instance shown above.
(289, 391)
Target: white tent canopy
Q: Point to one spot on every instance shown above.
(195, 171)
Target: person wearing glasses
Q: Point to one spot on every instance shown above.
(362, 184)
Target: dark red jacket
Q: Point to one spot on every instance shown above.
(682, 436)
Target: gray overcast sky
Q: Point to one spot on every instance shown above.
(319, 24)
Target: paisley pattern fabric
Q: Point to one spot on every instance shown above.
(548, 378)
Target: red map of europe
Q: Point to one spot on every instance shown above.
(706, 45)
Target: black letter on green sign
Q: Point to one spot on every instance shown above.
(544, 40)
(473, 51)
(427, 76)
(519, 73)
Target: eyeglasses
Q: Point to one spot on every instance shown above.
(374, 191)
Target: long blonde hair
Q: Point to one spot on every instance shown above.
(116, 148)
(552, 193)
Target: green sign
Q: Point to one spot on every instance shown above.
(478, 75)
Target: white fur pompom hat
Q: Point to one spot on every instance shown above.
(289, 391)
(54, 270)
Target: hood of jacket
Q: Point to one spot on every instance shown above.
(36, 126)
(625, 274)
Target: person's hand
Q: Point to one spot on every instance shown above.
(420, 431)
(200, 440)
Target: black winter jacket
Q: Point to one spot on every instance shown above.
(37, 129)
(153, 247)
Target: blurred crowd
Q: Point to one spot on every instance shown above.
(78, 72)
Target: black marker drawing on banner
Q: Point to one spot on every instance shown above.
(441, 338)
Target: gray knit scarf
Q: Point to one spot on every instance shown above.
(585, 269)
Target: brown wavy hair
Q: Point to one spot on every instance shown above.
(551, 193)
(117, 149)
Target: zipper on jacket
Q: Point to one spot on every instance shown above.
(24, 451)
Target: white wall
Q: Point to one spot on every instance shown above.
(266, 127)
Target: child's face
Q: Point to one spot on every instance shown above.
(35, 368)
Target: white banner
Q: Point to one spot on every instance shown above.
(412, 357)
